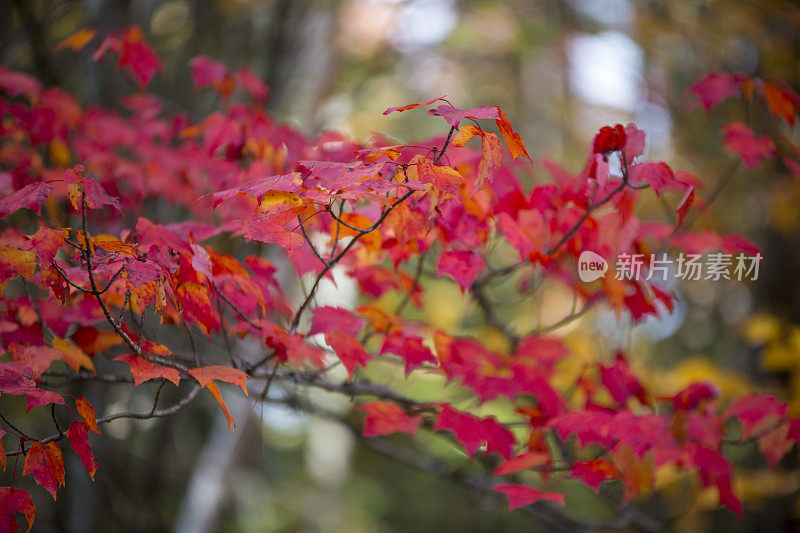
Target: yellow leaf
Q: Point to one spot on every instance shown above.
(282, 198)
(762, 328)
(778, 357)
(73, 356)
(699, 369)
(20, 261)
(467, 132)
(77, 41)
(59, 153)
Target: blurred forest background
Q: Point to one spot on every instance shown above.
(559, 69)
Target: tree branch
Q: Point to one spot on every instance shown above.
(127, 414)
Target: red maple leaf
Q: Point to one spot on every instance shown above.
(31, 196)
(46, 463)
(444, 178)
(247, 80)
(716, 87)
(14, 500)
(143, 370)
(36, 358)
(259, 187)
(412, 106)
(86, 410)
(521, 495)
(462, 266)
(755, 411)
(411, 349)
(593, 473)
(454, 116)
(609, 139)
(512, 139)
(473, 432)
(209, 73)
(714, 469)
(82, 187)
(328, 319)
(525, 461)
(686, 202)
(692, 396)
(38, 397)
(384, 418)
(781, 102)
(659, 175)
(79, 439)
(16, 83)
(350, 352)
(621, 382)
(206, 374)
(134, 54)
(741, 140)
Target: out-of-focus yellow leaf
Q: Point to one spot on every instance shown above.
(761, 328)
(73, 356)
(59, 153)
(444, 305)
(765, 483)
(693, 370)
(78, 40)
(778, 356)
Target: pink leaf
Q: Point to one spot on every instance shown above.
(716, 87)
(756, 410)
(454, 116)
(31, 196)
(741, 140)
(206, 72)
(462, 266)
(658, 175)
(38, 397)
(13, 500)
(327, 319)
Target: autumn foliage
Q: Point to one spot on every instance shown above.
(84, 270)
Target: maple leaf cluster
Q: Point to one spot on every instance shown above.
(82, 269)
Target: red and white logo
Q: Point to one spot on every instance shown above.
(591, 266)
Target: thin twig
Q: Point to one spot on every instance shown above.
(87, 255)
(296, 320)
(158, 393)
(308, 240)
(491, 316)
(338, 228)
(414, 285)
(127, 414)
(234, 306)
(49, 335)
